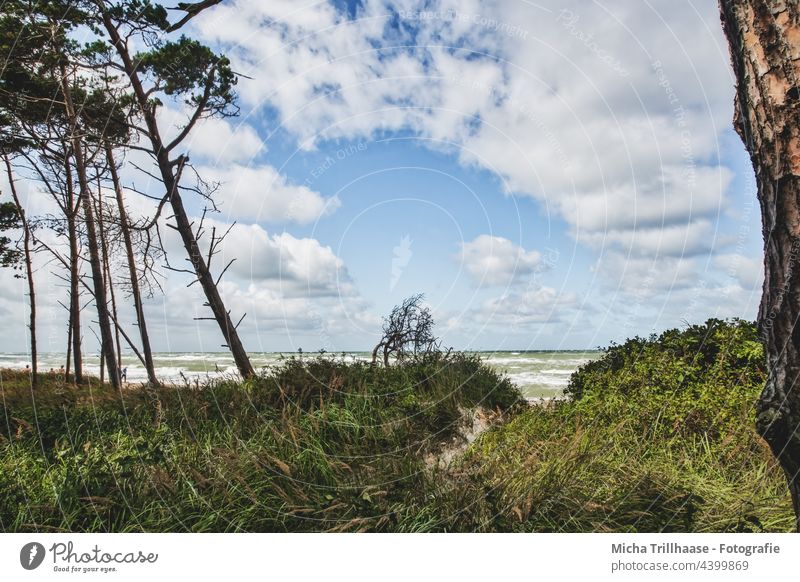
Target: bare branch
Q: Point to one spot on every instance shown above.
(192, 9)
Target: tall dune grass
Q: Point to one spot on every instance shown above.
(657, 435)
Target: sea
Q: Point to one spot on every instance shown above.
(538, 374)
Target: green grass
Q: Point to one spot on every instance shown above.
(657, 435)
(315, 445)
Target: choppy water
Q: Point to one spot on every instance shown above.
(538, 374)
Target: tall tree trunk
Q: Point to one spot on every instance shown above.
(107, 273)
(106, 338)
(74, 274)
(167, 170)
(100, 298)
(132, 271)
(26, 245)
(764, 38)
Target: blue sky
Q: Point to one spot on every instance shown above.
(551, 175)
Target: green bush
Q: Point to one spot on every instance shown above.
(656, 435)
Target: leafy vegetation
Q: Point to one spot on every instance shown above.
(657, 435)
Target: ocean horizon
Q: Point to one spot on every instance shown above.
(537, 373)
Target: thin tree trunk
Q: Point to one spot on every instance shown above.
(106, 337)
(132, 271)
(69, 347)
(107, 274)
(26, 234)
(74, 275)
(166, 168)
(75, 300)
(764, 37)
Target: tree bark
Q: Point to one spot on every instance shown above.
(68, 365)
(132, 271)
(109, 282)
(26, 245)
(764, 38)
(101, 301)
(74, 274)
(183, 224)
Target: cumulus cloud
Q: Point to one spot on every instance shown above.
(610, 114)
(224, 140)
(674, 240)
(262, 194)
(645, 277)
(517, 310)
(496, 261)
(212, 138)
(296, 266)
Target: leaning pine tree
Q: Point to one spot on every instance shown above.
(764, 38)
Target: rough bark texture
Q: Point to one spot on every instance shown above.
(183, 224)
(132, 271)
(764, 37)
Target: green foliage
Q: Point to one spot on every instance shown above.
(190, 69)
(10, 255)
(319, 444)
(141, 13)
(688, 382)
(656, 435)
(35, 44)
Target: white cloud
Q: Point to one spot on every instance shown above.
(675, 240)
(213, 138)
(517, 310)
(645, 277)
(748, 271)
(294, 266)
(261, 194)
(610, 113)
(496, 261)
(224, 141)
(295, 292)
